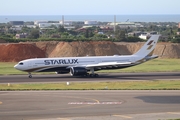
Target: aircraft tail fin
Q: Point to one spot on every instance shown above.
(148, 47)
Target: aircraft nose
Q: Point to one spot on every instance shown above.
(16, 66)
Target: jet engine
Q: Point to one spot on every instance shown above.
(62, 72)
(78, 71)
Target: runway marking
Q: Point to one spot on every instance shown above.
(94, 103)
(177, 113)
(63, 119)
(123, 116)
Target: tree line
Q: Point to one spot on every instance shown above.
(88, 34)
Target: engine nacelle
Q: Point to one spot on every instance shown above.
(62, 72)
(78, 71)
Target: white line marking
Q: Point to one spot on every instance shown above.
(123, 116)
(173, 113)
(94, 103)
(63, 119)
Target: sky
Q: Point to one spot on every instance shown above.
(89, 7)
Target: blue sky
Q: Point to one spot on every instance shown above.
(88, 7)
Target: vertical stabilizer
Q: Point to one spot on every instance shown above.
(148, 47)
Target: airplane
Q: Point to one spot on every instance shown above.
(87, 65)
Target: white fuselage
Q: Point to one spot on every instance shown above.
(46, 64)
(81, 65)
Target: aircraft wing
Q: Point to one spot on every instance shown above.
(108, 65)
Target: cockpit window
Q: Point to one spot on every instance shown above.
(20, 63)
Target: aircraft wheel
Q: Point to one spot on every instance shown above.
(85, 75)
(91, 75)
(30, 76)
(96, 75)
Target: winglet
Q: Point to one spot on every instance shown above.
(148, 47)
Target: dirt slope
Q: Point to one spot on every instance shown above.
(80, 48)
(21, 51)
(47, 47)
(17, 52)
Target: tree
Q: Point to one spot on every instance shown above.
(178, 29)
(34, 34)
(120, 35)
(25, 29)
(61, 29)
(100, 36)
(87, 33)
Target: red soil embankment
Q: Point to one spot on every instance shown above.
(65, 49)
(17, 52)
(21, 51)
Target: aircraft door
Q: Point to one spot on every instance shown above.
(30, 65)
(99, 60)
(132, 59)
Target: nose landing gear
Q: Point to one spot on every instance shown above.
(30, 76)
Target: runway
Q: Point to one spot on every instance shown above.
(102, 77)
(89, 105)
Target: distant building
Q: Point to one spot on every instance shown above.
(67, 23)
(135, 33)
(39, 21)
(125, 24)
(178, 33)
(16, 28)
(83, 29)
(144, 37)
(105, 29)
(31, 26)
(46, 25)
(179, 25)
(140, 33)
(90, 22)
(16, 23)
(22, 35)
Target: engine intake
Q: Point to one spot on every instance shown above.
(78, 71)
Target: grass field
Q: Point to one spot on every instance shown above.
(157, 65)
(123, 85)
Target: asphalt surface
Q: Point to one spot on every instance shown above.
(89, 105)
(102, 77)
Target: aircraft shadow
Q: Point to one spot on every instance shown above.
(133, 76)
(160, 99)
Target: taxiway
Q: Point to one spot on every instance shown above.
(89, 105)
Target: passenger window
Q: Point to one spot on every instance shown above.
(21, 63)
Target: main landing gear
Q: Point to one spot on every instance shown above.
(30, 76)
(92, 74)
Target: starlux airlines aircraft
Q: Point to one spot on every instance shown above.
(85, 66)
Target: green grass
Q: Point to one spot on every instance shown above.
(7, 68)
(157, 65)
(123, 85)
